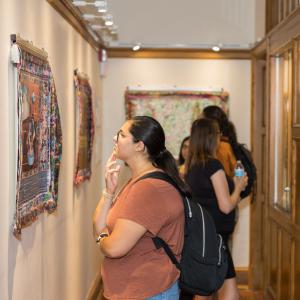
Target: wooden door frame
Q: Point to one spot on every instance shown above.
(259, 112)
(280, 238)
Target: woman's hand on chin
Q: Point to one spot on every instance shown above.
(112, 170)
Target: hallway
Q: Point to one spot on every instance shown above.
(254, 76)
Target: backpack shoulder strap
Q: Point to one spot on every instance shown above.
(162, 176)
(165, 177)
(158, 242)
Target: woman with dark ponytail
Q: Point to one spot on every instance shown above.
(126, 223)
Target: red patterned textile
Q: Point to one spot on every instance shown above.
(175, 110)
(84, 128)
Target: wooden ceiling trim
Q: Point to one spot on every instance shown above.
(73, 17)
(260, 49)
(178, 53)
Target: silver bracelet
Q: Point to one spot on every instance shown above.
(108, 195)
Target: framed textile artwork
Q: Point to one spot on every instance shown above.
(175, 110)
(39, 139)
(84, 127)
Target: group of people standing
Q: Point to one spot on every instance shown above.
(125, 222)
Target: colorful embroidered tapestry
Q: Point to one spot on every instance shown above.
(39, 141)
(175, 110)
(84, 127)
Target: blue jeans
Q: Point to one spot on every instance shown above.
(171, 293)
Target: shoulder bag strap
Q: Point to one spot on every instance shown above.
(158, 242)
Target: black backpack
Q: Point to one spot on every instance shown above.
(244, 155)
(203, 264)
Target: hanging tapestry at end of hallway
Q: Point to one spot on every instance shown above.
(84, 127)
(175, 110)
(39, 141)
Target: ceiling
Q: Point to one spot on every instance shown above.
(189, 24)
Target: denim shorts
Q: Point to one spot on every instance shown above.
(171, 293)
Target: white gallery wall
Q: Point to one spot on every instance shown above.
(57, 257)
(232, 75)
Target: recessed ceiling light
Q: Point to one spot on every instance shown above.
(109, 23)
(101, 5)
(136, 47)
(216, 48)
(108, 20)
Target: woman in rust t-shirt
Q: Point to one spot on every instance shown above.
(133, 268)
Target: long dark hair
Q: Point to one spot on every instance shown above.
(150, 132)
(180, 157)
(227, 127)
(203, 141)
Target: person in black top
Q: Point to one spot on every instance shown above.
(213, 189)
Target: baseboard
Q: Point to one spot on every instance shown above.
(96, 290)
(242, 276)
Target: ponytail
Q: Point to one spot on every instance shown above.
(231, 134)
(165, 161)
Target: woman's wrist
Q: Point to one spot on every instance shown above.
(236, 196)
(101, 236)
(107, 195)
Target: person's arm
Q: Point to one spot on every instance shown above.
(100, 214)
(123, 238)
(227, 202)
(143, 212)
(104, 204)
